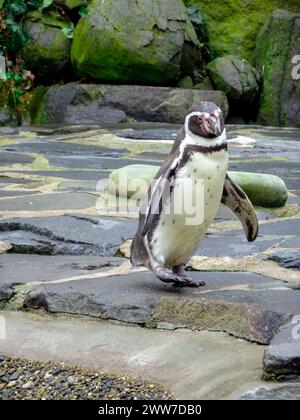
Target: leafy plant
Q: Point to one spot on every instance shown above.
(83, 11)
(69, 31)
(207, 54)
(12, 36)
(16, 87)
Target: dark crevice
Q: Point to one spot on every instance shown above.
(55, 245)
(284, 71)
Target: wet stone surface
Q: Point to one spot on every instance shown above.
(63, 254)
(282, 357)
(286, 391)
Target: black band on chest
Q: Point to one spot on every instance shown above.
(205, 150)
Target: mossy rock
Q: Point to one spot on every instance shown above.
(71, 4)
(139, 42)
(234, 76)
(233, 25)
(138, 178)
(186, 83)
(142, 103)
(277, 44)
(263, 190)
(37, 105)
(47, 51)
(206, 84)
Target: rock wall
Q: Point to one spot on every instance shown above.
(84, 104)
(47, 51)
(277, 45)
(234, 24)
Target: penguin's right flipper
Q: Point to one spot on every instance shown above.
(158, 195)
(238, 202)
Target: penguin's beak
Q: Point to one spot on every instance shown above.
(215, 127)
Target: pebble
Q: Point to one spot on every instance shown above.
(11, 383)
(46, 381)
(70, 380)
(14, 376)
(28, 385)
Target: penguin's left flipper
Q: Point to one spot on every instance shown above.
(236, 199)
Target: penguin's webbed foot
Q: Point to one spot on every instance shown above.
(180, 279)
(180, 272)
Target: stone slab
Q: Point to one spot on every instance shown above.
(282, 392)
(18, 268)
(68, 234)
(208, 365)
(282, 356)
(54, 201)
(255, 314)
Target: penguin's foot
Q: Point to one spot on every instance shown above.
(180, 280)
(179, 271)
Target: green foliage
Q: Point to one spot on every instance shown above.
(207, 54)
(16, 87)
(233, 25)
(83, 11)
(12, 36)
(68, 31)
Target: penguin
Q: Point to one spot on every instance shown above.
(194, 173)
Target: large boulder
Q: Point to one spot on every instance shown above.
(233, 25)
(93, 114)
(47, 51)
(129, 41)
(143, 103)
(277, 45)
(235, 76)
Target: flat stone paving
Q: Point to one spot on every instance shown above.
(192, 365)
(65, 257)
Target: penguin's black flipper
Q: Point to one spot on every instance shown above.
(238, 202)
(159, 195)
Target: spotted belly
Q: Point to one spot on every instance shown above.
(191, 208)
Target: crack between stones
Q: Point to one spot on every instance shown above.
(10, 227)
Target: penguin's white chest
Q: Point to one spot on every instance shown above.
(191, 208)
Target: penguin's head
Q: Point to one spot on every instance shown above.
(205, 119)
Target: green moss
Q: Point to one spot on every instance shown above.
(97, 60)
(234, 24)
(272, 55)
(37, 103)
(47, 51)
(118, 46)
(262, 189)
(72, 4)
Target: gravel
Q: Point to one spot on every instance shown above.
(29, 380)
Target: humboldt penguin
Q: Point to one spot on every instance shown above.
(185, 196)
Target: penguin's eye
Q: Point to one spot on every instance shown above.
(200, 118)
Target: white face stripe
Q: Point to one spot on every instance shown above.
(191, 138)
